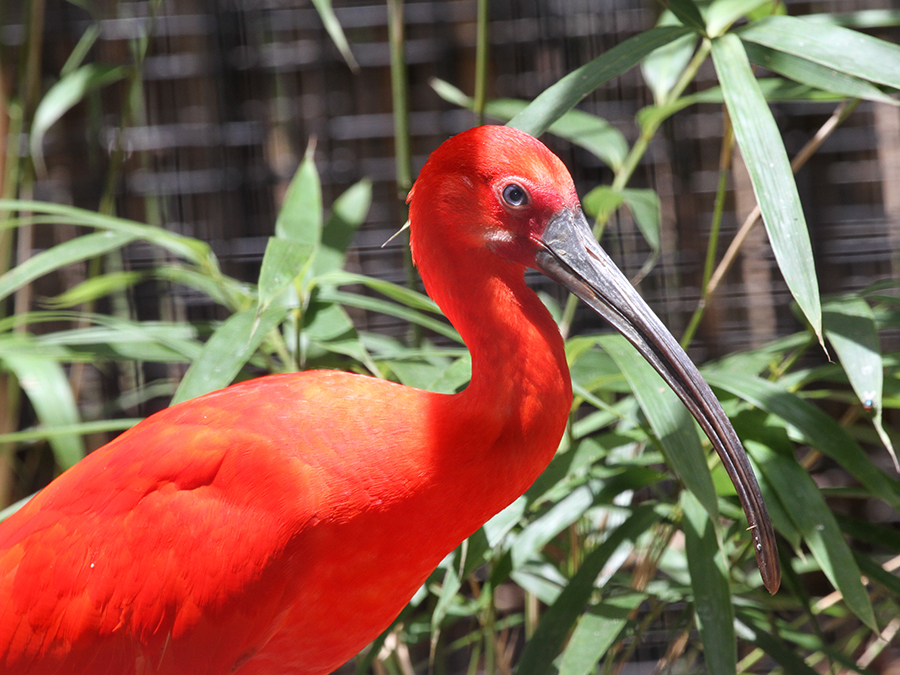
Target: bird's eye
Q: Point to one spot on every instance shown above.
(515, 196)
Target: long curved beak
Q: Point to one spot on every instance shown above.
(569, 254)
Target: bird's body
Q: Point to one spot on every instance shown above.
(279, 525)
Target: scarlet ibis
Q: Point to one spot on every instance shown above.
(278, 525)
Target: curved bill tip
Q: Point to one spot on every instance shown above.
(568, 253)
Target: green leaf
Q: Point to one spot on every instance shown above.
(95, 288)
(712, 593)
(194, 250)
(391, 309)
(81, 429)
(864, 18)
(556, 100)
(65, 94)
(283, 261)
(841, 49)
(688, 13)
(806, 507)
(542, 529)
(670, 420)
(814, 75)
(543, 647)
(226, 352)
(647, 212)
(662, 68)
(596, 632)
(601, 202)
(851, 329)
(335, 32)
(810, 425)
(47, 387)
(770, 173)
(347, 214)
(72, 251)
(580, 128)
(722, 13)
(761, 635)
(300, 217)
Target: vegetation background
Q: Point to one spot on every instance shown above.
(197, 192)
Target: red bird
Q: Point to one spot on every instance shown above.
(279, 525)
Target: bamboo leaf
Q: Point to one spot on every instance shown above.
(663, 67)
(722, 13)
(193, 250)
(555, 101)
(805, 505)
(283, 261)
(580, 128)
(810, 425)
(97, 287)
(64, 95)
(770, 173)
(596, 632)
(712, 593)
(841, 49)
(72, 251)
(548, 638)
(47, 387)
(647, 212)
(814, 75)
(226, 352)
(335, 32)
(670, 420)
(300, 217)
(347, 213)
(851, 329)
(80, 429)
(688, 13)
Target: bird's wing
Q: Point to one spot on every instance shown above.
(167, 526)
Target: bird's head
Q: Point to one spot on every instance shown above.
(491, 188)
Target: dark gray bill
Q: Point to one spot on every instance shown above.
(572, 257)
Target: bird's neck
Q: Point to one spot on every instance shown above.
(510, 418)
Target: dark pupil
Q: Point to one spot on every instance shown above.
(514, 195)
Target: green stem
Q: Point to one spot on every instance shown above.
(715, 228)
(400, 97)
(482, 49)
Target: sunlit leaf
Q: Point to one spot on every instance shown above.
(558, 619)
(770, 173)
(335, 32)
(45, 383)
(283, 261)
(300, 217)
(65, 94)
(347, 213)
(596, 632)
(663, 67)
(97, 287)
(851, 329)
(811, 73)
(804, 503)
(670, 420)
(75, 250)
(712, 593)
(720, 14)
(226, 352)
(841, 49)
(194, 250)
